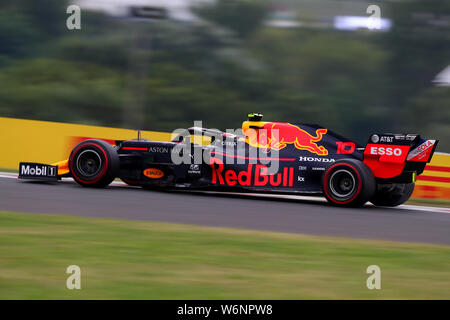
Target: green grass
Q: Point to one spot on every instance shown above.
(9, 170)
(143, 260)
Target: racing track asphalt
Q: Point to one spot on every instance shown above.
(280, 215)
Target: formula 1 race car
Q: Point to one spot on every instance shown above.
(270, 157)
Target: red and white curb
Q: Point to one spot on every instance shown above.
(9, 175)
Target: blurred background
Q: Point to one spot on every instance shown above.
(161, 64)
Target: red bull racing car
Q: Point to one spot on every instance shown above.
(270, 157)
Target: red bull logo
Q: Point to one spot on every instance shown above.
(275, 135)
(255, 175)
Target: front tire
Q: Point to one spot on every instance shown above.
(94, 163)
(392, 195)
(348, 183)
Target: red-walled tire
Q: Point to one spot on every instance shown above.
(348, 183)
(94, 163)
(131, 182)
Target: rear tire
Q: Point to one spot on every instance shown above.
(348, 183)
(392, 195)
(94, 163)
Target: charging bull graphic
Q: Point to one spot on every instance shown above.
(276, 135)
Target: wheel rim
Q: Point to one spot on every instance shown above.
(342, 184)
(89, 163)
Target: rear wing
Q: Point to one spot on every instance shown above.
(398, 157)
